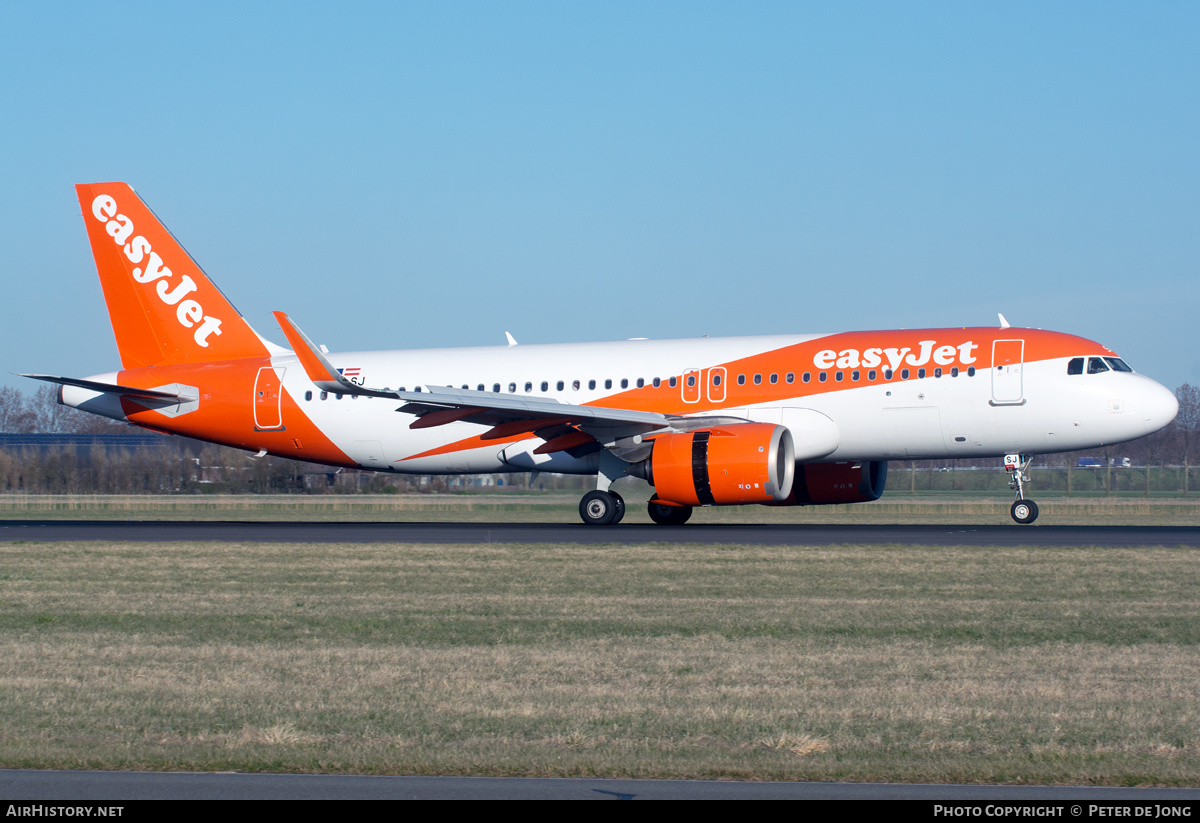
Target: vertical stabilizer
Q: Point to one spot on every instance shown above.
(163, 307)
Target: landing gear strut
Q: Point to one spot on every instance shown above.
(1023, 511)
(603, 507)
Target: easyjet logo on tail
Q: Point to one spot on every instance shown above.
(188, 312)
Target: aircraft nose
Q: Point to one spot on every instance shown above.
(1159, 406)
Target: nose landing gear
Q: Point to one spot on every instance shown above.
(1023, 511)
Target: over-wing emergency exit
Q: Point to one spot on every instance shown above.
(779, 420)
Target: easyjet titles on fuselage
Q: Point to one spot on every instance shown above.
(188, 312)
(873, 357)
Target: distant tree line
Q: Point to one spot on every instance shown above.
(1159, 463)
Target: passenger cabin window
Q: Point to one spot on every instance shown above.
(624, 382)
(608, 384)
(741, 379)
(641, 382)
(673, 382)
(1096, 365)
(1075, 366)
(496, 387)
(559, 384)
(591, 385)
(545, 386)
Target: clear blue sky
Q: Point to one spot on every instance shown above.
(403, 175)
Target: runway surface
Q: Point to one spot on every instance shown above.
(775, 535)
(109, 786)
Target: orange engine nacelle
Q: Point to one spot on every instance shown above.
(821, 483)
(725, 465)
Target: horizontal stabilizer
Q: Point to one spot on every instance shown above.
(111, 388)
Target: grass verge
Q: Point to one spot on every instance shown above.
(850, 663)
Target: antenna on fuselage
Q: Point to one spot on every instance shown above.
(1004, 324)
(512, 341)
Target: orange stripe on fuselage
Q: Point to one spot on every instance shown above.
(802, 357)
(466, 445)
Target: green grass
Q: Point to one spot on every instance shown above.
(848, 663)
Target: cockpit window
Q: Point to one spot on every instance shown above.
(1096, 365)
(1117, 364)
(1075, 366)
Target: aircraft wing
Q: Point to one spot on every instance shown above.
(319, 370)
(560, 424)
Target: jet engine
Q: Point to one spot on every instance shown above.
(820, 483)
(723, 465)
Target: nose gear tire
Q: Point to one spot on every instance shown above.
(1024, 511)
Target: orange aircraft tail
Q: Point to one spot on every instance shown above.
(163, 307)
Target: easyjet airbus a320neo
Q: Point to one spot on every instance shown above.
(787, 420)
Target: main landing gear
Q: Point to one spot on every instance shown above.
(1023, 511)
(602, 508)
(606, 508)
(665, 515)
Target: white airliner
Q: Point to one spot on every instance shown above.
(779, 420)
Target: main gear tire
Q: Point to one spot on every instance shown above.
(665, 515)
(599, 508)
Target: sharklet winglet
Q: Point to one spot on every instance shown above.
(318, 368)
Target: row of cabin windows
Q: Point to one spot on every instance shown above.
(790, 377)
